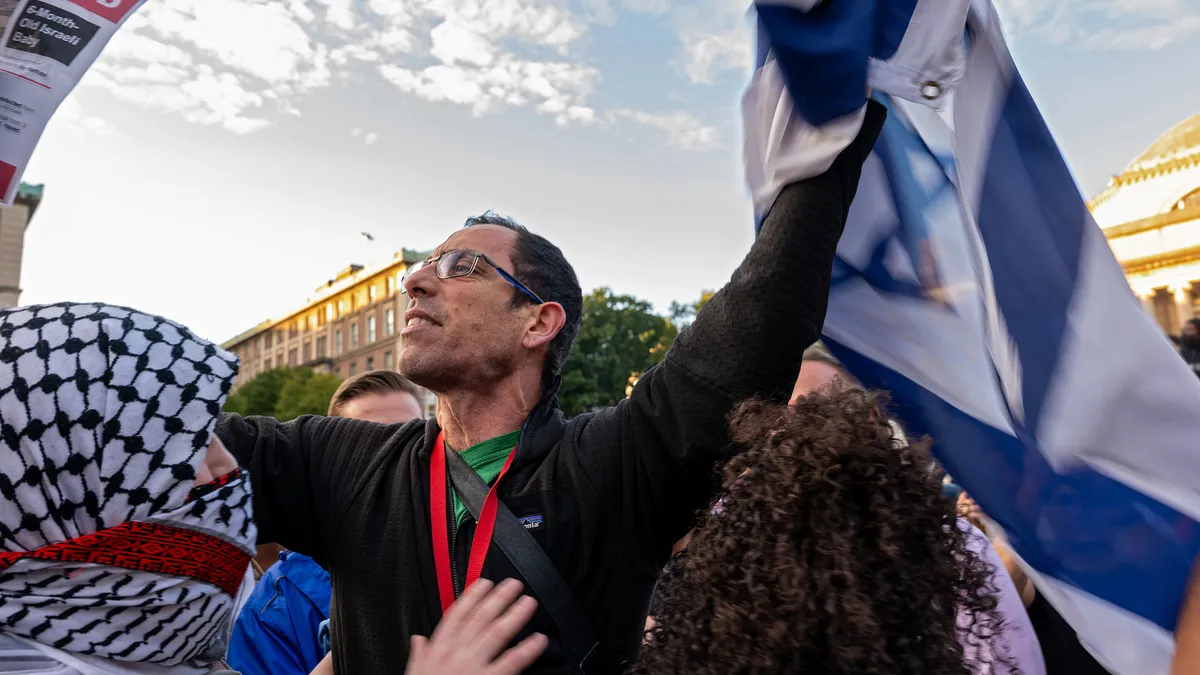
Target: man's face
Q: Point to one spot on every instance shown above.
(1189, 330)
(463, 331)
(394, 407)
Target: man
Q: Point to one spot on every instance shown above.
(490, 322)
(277, 631)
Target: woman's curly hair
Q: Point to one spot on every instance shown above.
(834, 552)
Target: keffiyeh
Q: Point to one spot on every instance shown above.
(106, 548)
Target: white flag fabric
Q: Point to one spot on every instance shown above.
(972, 283)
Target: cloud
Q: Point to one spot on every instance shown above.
(368, 137)
(706, 55)
(556, 88)
(1102, 24)
(71, 115)
(242, 64)
(714, 37)
(683, 129)
(229, 63)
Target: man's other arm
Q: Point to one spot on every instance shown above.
(303, 473)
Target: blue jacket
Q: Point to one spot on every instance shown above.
(276, 633)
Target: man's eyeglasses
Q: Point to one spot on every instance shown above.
(454, 264)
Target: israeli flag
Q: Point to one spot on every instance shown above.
(972, 283)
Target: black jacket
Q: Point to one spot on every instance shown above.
(616, 488)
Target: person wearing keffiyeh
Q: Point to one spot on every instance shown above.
(126, 529)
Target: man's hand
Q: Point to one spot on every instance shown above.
(474, 632)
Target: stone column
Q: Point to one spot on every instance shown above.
(1183, 304)
(1147, 299)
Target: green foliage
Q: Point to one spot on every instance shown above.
(284, 393)
(620, 339)
(682, 314)
(306, 393)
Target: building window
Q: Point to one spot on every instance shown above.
(371, 328)
(291, 357)
(353, 369)
(391, 285)
(268, 337)
(371, 291)
(390, 321)
(353, 335)
(307, 352)
(329, 315)
(370, 364)
(337, 342)
(341, 306)
(279, 358)
(267, 364)
(387, 360)
(337, 370)
(321, 344)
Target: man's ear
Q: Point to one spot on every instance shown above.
(546, 321)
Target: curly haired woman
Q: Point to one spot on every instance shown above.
(833, 552)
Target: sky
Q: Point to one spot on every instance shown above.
(221, 159)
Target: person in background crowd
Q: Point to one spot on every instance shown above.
(126, 529)
(1189, 344)
(492, 317)
(278, 631)
(833, 551)
(1061, 648)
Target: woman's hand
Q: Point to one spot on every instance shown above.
(474, 632)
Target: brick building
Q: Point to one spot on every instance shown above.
(350, 325)
(14, 221)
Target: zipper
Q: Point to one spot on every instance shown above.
(453, 536)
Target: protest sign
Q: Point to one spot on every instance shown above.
(45, 48)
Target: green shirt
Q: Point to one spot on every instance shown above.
(487, 459)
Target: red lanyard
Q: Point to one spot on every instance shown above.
(438, 505)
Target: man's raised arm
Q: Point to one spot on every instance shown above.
(747, 341)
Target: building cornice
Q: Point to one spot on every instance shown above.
(1158, 261)
(1140, 174)
(1153, 222)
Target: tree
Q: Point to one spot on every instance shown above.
(683, 314)
(259, 396)
(285, 394)
(621, 338)
(306, 393)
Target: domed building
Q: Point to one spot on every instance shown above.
(1151, 216)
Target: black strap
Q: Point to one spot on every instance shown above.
(540, 575)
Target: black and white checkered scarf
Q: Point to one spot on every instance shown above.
(106, 548)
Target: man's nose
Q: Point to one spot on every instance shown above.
(420, 282)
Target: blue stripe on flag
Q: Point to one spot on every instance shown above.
(1082, 528)
(892, 24)
(1031, 219)
(823, 54)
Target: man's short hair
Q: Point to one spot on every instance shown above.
(542, 267)
(819, 353)
(371, 382)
